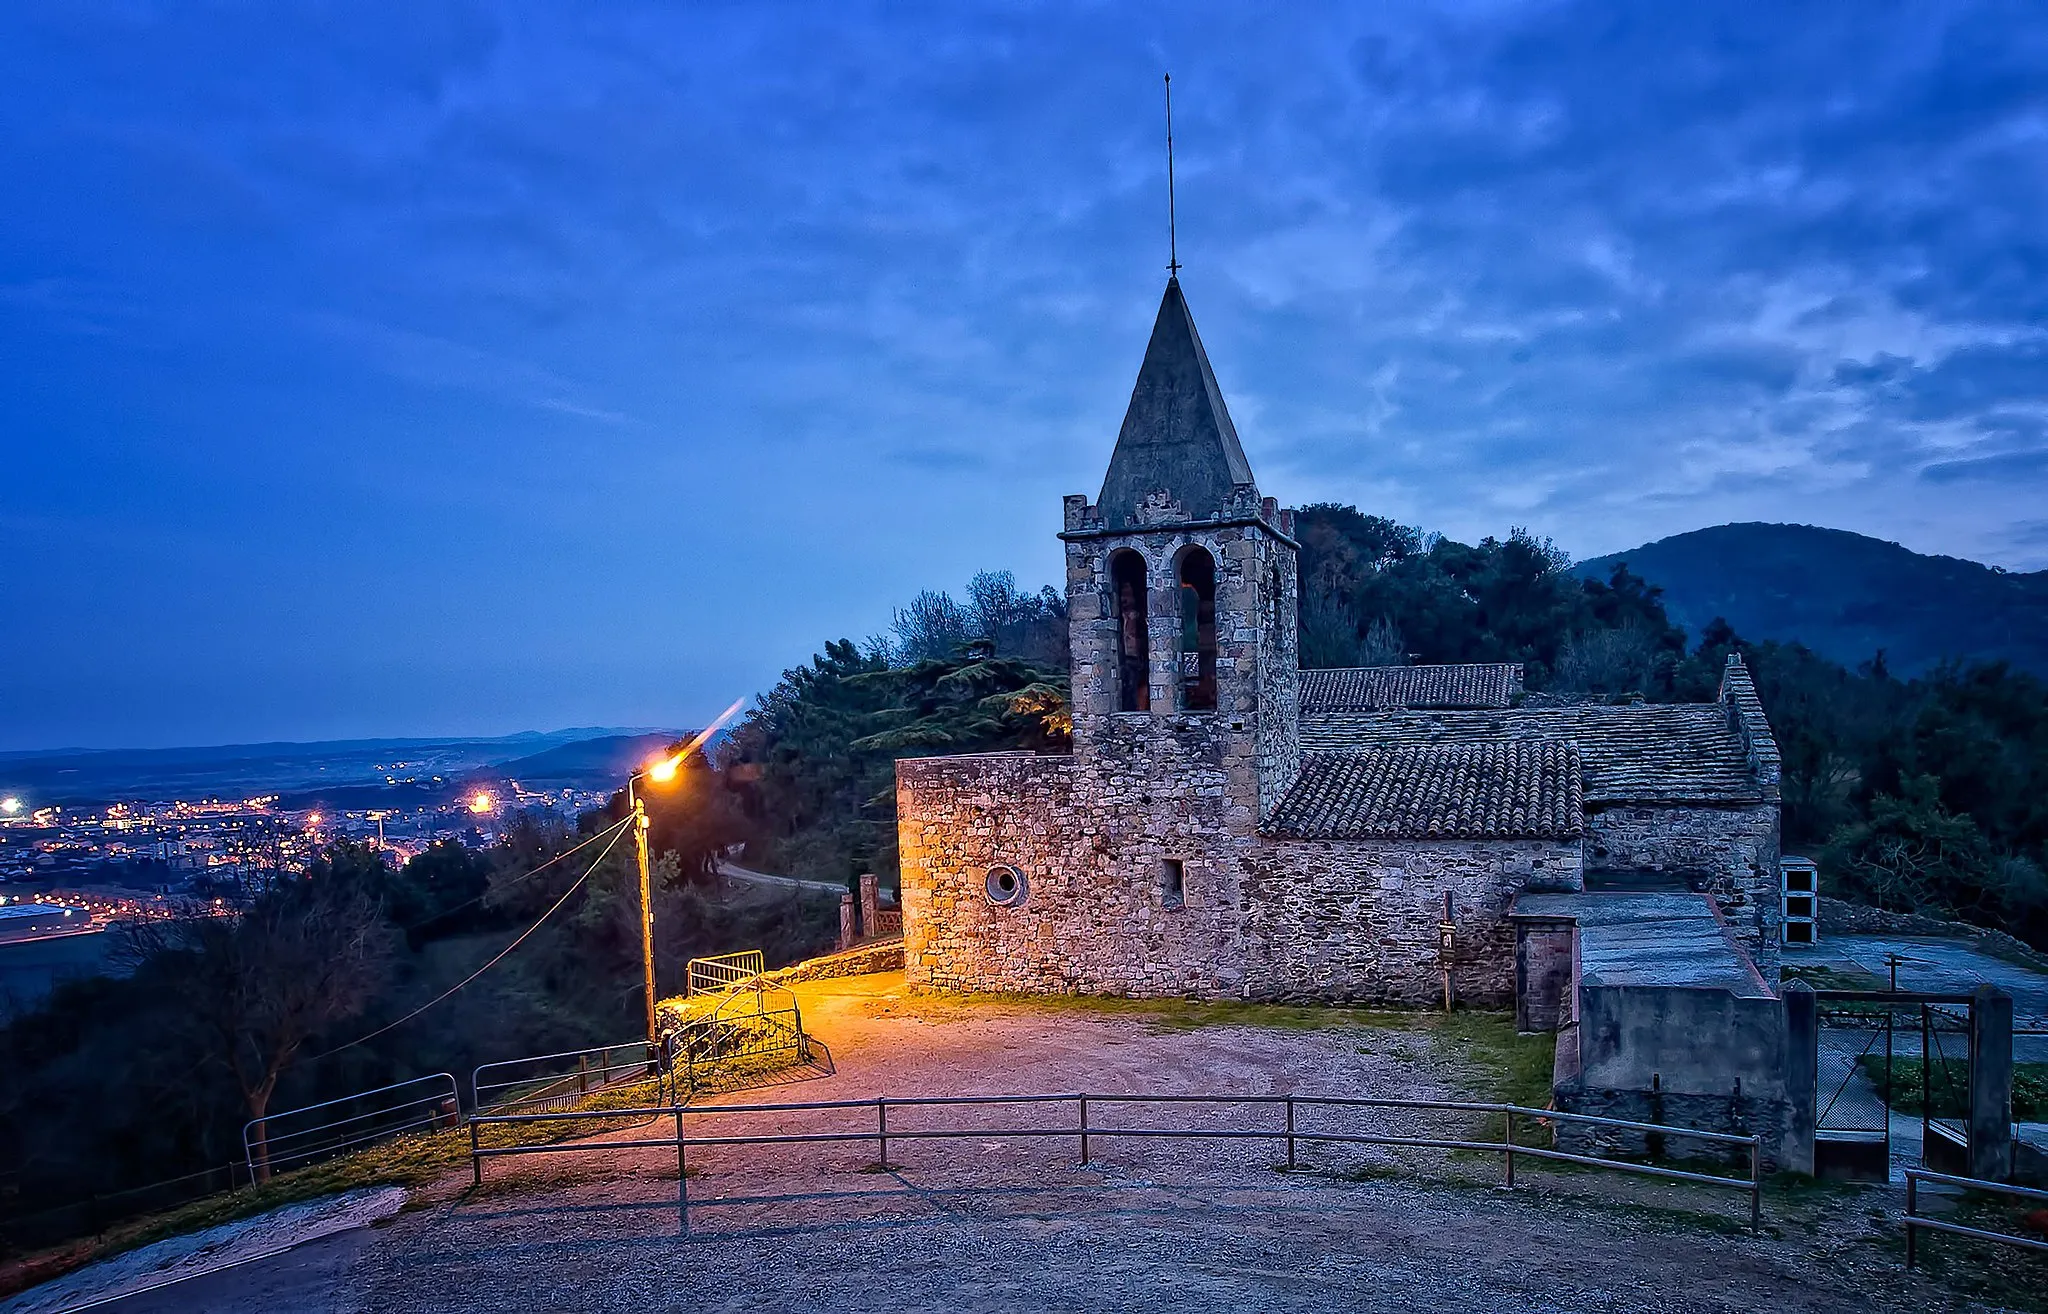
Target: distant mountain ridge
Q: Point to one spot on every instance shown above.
(586, 756)
(1844, 595)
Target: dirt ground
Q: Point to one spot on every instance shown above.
(1017, 1222)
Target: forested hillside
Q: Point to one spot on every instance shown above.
(1845, 596)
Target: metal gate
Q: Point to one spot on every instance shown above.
(1944, 1095)
(1853, 1093)
(1885, 1056)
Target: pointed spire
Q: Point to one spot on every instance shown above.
(1177, 436)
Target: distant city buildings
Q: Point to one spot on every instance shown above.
(104, 860)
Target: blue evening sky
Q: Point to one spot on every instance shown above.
(394, 368)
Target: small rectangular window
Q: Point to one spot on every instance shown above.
(1173, 883)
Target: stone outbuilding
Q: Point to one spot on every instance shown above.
(1230, 825)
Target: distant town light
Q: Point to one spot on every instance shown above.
(10, 805)
(313, 819)
(480, 802)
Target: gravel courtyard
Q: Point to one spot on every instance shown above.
(1019, 1223)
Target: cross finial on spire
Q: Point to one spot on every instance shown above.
(1172, 243)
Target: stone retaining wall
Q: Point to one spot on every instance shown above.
(1838, 917)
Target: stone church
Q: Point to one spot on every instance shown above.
(1230, 825)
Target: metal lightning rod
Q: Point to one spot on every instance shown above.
(1172, 238)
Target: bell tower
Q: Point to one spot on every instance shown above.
(1181, 587)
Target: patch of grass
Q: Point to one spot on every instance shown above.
(1949, 1096)
(1833, 978)
(1515, 1069)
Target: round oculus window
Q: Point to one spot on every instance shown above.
(1005, 886)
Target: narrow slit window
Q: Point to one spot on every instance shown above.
(1173, 889)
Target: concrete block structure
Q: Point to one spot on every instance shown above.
(1230, 825)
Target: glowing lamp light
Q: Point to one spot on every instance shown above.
(480, 802)
(665, 770)
(10, 805)
(313, 819)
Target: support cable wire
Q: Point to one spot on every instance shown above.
(516, 880)
(618, 829)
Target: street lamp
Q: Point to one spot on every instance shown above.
(661, 771)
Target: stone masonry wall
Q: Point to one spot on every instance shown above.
(1255, 724)
(1095, 918)
(1728, 852)
(1357, 920)
(1260, 918)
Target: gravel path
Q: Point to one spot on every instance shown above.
(1017, 1223)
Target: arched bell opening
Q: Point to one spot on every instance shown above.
(1197, 630)
(1133, 631)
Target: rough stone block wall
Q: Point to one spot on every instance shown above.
(1096, 917)
(1255, 721)
(1258, 918)
(1768, 1119)
(1728, 852)
(1357, 920)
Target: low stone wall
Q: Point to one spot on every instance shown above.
(1838, 917)
(881, 956)
(1705, 1059)
(1736, 1115)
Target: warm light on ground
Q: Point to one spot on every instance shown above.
(480, 802)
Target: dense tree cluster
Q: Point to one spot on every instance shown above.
(813, 764)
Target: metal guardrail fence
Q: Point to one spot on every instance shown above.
(545, 1082)
(1917, 1222)
(278, 1140)
(752, 1025)
(1291, 1132)
(724, 971)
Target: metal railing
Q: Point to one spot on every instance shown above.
(1916, 1222)
(724, 971)
(752, 1025)
(277, 1140)
(547, 1082)
(1290, 1131)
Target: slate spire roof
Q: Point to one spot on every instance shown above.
(1177, 435)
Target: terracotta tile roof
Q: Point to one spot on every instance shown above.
(1364, 688)
(1504, 790)
(1646, 753)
